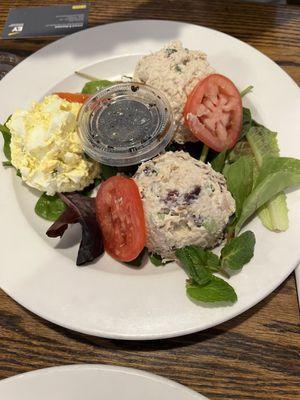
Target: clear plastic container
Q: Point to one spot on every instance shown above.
(125, 124)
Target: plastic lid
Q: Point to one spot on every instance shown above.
(125, 124)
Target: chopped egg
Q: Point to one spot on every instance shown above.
(46, 148)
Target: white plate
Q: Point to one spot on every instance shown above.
(93, 382)
(108, 299)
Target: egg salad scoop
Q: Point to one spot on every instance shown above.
(46, 148)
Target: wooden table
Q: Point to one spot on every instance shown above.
(254, 356)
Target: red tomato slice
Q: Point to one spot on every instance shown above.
(214, 112)
(73, 97)
(120, 213)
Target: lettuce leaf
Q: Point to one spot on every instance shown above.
(247, 122)
(273, 214)
(219, 161)
(275, 175)
(239, 177)
(49, 207)
(81, 209)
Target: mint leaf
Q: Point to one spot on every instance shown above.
(238, 251)
(239, 177)
(275, 175)
(215, 290)
(49, 207)
(203, 285)
(199, 256)
(194, 261)
(213, 261)
(95, 86)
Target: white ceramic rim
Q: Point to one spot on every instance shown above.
(104, 367)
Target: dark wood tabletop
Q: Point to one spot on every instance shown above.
(255, 355)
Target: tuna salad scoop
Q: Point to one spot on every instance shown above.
(174, 70)
(185, 202)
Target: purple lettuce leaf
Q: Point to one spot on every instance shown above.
(80, 209)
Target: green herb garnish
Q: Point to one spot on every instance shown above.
(238, 251)
(216, 290)
(200, 265)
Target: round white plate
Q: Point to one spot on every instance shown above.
(108, 299)
(93, 382)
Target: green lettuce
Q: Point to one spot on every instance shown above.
(275, 175)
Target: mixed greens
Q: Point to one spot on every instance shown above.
(200, 265)
(256, 177)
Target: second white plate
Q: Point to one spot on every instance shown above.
(93, 382)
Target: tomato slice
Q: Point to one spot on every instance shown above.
(120, 213)
(73, 97)
(214, 112)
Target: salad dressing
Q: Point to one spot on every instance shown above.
(125, 124)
